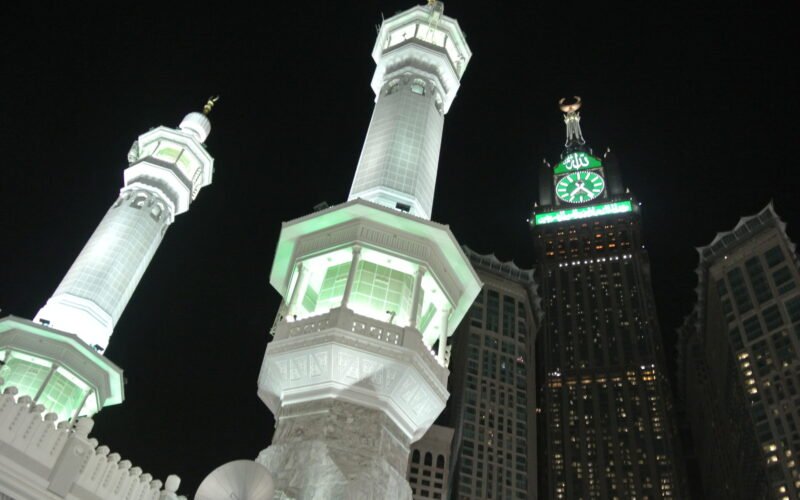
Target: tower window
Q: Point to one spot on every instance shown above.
(392, 86)
(418, 87)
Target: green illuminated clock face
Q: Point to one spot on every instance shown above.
(580, 187)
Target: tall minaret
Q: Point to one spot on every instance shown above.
(420, 56)
(372, 289)
(56, 360)
(168, 167)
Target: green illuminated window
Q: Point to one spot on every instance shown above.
(25, 373)
(63, 394)
(379, 291)
(331, 290)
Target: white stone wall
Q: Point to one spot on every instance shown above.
(332, 449)
(44, 460)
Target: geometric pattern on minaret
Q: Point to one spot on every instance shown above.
(168, 167)
(372, 289)
(420, 56)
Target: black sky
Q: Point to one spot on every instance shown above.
(698, 102)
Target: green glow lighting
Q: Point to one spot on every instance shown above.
(577, 161)
(583, 212)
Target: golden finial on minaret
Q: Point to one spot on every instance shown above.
(210, 105)
(570, 107)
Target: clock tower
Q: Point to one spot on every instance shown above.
(607, 426)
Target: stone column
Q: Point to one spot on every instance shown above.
(416, 298)
(443, 335)
(351, 275)
(302, 274)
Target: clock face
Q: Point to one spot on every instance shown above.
(580, 187)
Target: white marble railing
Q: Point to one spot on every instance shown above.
(345, 319)
(40, 459)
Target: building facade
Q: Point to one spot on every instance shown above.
(608, 428)
(738, 364)
(429, 464)
(493, 386)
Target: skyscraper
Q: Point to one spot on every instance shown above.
(606, 400)
(56, 359)
(493, 384)
(372, 289)
(429, 464)
(738, 364)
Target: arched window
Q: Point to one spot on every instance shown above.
(392, 86)
(418, 86)
(440, 461)
(156, 211)
(428, 459)
(415, 456)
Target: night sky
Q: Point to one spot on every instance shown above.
(699, 104)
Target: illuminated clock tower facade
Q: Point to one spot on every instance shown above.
(605, 400)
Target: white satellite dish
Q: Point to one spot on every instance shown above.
(237, 480)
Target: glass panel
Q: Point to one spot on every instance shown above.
(332, 288)
(793, 309)
(427, 317)
(772, 317)
(783, 279)
(382, 293)
(758, 279)
(739, 289)
(752, 328)
(492, 310)
(774, 256)
(26, 373)
(63, 394)
(401, 35)
(509, 316)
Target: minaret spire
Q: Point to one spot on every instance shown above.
(168, 167)
(572, 119)
(374, 287)
(420, 58)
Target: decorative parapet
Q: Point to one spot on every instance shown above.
(347, 320)
(350, 357)
(41, 459)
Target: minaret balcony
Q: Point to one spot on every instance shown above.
(347, 356)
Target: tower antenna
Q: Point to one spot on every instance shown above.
(572, 118)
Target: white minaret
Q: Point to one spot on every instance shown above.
(168, 167)
(420, 55)
(372, 289)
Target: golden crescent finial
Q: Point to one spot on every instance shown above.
(570, 108)
(210, 104)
